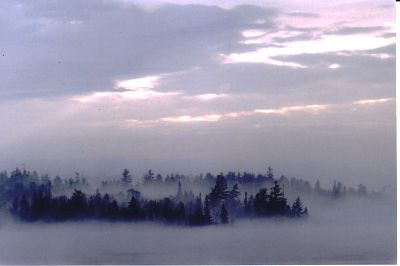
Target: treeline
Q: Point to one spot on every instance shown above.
(245, 179)
(220, 206)
(22, 182)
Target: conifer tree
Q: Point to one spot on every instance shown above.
(234, 193)
(133, 208)
(219, 192)
(180, 212)
(126, 176)
(207, 214)
(297, 208)
(224, 215)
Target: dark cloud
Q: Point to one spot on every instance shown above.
(70, 47)
(299, 37)
(346, 30)
(303, 14)
(389, 49)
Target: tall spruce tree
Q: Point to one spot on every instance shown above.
(207, 214)
(219, 192)
(224, 215)
(297, 208)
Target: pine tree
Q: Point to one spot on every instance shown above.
(276, 191)
(234, 193)
(149, 177)
(179, 193)
(197, 217)
(24, 208)
(207, 214)
(277, 202)
(114, 209)
(126, 176)
(180, 212)
(133, 208)
(78, 202)
(297, 208)
(261, 202)
(219, 192)
(224, 215)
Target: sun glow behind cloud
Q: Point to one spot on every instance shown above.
(208, 96)
(325, 44)
(188, 118)
(373, 101)
(285, 110)
(333, 66)
(131, 89)
(147, 82)
(314, 109)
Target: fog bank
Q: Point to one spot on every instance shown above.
(355, 232)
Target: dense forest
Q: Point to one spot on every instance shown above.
(30, 197)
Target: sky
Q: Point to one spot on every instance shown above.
(200, 86)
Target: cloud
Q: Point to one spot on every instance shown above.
(373, 101)
(302, 14)
(333, 66)
(327, 44)
(208, 96)
(347, 30)
(67, 48)
(284, 110)
(188, 118)
(148, 82)
(134, 89)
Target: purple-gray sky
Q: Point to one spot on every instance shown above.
(193, 86)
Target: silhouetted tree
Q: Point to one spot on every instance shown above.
(261, 202)
(207, 214)
(113, 210)
(224, 215)
(277, 201)
(219, 192)
(179, 193)
(149, 177)
(133, 208)
(197, 217)
(234, 193)
(297, 208)
(180, 212)
(126, 177)
(78, 203)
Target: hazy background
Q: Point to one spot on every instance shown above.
(196, 86)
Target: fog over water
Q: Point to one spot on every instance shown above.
(360, 231)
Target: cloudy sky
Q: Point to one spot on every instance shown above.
(195, 86)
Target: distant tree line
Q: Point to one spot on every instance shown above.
(19, 182)
(220, 206)
(32, 197)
